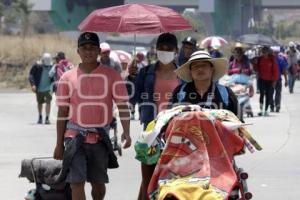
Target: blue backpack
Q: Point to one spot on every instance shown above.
(221, 88)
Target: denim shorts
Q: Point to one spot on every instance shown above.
(89, 164)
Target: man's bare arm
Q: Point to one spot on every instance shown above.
(61, 123)
(125, 121)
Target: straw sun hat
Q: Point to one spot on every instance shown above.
(220, 66)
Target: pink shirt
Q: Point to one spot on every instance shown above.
(90, 96)
(163, 90)
(62, 67)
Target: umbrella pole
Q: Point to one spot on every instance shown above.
(134, 45)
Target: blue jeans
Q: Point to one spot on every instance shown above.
(291, 81)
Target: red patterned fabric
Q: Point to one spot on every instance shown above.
(197, 149)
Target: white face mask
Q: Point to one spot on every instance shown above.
(165, 56)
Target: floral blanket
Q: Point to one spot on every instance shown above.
(195, 161)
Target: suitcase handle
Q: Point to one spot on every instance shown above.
(32, 168)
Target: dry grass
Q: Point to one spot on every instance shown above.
(17, 54)
(20, 50)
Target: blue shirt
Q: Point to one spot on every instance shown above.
(144, 89)
(216, 54)
(282, 65)
(45, 83)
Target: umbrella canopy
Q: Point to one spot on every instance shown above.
(134, 18)
(257, 39)
(213, 41)
(120, 56)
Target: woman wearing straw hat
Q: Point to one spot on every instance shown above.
(201, 73)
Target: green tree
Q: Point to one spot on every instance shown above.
(23, 9)
(266, 26)
(295, 29)
(198, 26)
(2, 8)
(269, 25)
(10, 19)
(282, 30)
(15, 15)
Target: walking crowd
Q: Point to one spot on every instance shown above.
(143, 85)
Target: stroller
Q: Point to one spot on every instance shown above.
(197, 158)
(241, 85)
(41, 171)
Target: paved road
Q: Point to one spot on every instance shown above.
(274, 172)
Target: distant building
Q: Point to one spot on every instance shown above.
(67, 14)
(221, 17)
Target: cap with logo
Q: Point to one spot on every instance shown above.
(88, 38)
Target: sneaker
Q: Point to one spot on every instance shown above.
(47, 121)
(277, 110)
(40, 121)
(260, 114)
(272, 109)
(266, 114)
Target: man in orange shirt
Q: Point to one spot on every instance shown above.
(85, 98)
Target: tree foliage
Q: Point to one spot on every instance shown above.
(15, 14)
(266, 26)
(198, 26)
(280, 30)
